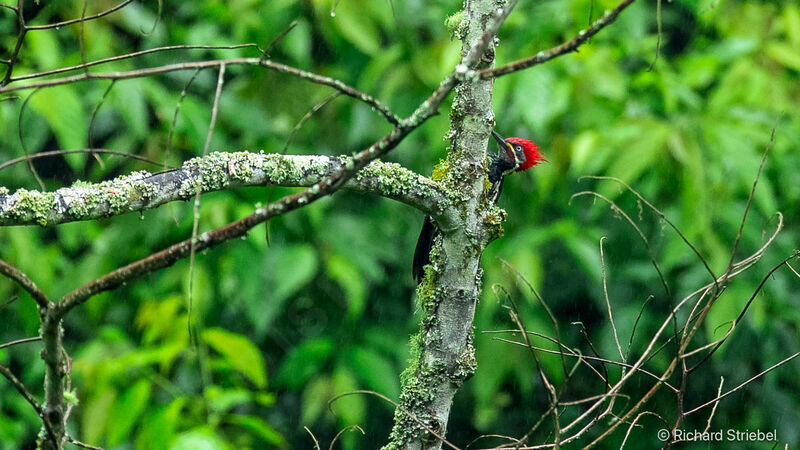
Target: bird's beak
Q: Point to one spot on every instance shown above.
(505, 146)
(502, 142)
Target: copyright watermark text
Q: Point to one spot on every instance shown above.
(720, 435)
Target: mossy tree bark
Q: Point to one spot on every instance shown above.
(55, 407)
(442, 354)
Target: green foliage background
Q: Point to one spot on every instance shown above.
(327, 306)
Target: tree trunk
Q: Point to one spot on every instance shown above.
(442, 354)
(54, 404)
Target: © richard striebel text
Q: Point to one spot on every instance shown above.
(729, 435)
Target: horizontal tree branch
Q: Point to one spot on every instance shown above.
(129, 56)
(142, 190)
(278, 67)
(570, 46)
(20, 341)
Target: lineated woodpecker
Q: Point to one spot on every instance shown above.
(513, 155)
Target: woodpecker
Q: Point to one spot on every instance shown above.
(513, 155)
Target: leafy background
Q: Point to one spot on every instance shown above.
(327, 306)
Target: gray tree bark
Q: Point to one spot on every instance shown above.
(442, 353)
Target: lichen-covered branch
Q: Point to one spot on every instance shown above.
(140, 191)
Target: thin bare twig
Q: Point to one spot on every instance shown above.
(572, 352)
(314, 438)
(584, 358)
(347, 428)
(9, 302)
(82, 39)
(81, 20)
(714, 409)
(314, 109)
(544, 305)
(129, 56)
(635, 324)
(396, 405)
(22, 140)
(567, 47)
(196, 216)
(608, 302)
(83, 444)
(739, 318)
(633, 224)
(750, 200)
(26, 394)
(175, 114)
(585, 334)
(663, 217)
(23, 30)
(553, 396)
(633, 424)
(155, 22)
(11, 162)
(20, 341)
(309, 76)
(94, 116)
(793, 269)
(26, 283)
(751, 379)
(489, 436)
(658, 39)
(266, 53)
(21, 389)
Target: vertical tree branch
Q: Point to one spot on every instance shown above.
(443, 356)
(55, 405)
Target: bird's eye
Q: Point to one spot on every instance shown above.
(518, 148)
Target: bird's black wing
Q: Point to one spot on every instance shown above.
(422, 254)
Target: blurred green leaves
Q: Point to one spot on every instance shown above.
(239, 352)
(63, 110)
(303, 361)
(127, 411)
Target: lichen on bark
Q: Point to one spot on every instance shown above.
(142, 190)
(442, 356)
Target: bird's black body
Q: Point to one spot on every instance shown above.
(499, 165)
